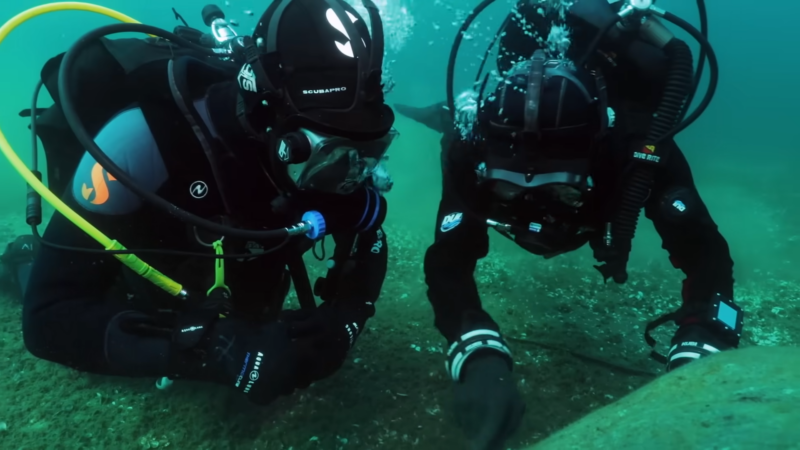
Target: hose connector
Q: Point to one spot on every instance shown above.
(312, 225)
(33, 209)
(316, 225)
(632, 13)
(223, 38)
(499, 225)
(635, 8)
(222, 31)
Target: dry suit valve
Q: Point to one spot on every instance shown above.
(498, 225)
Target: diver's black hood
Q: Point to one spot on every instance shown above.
(570, 119)
(221, 100)
(321, 69)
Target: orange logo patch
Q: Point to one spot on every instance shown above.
(99, 186)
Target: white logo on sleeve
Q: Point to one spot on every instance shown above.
(335, 22)
(451, 221)
(247, 78)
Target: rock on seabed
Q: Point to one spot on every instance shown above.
(737, 400)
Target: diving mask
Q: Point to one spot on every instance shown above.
(562, 187)
(335, 164)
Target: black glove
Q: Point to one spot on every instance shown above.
(488, 405)
(322, 337)
(693, 341)
(255, 359)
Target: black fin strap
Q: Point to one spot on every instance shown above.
(678, 316)
(652, 325)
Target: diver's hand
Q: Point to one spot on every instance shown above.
(694, 341)
(488, 405)
(252, 358)
(321, 339)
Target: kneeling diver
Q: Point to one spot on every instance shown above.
(299, 124)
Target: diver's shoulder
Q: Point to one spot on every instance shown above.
(128, 141)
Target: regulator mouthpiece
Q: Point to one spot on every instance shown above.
(211, 13)
(632, 13)
(221, 30)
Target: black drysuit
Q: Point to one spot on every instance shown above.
(634, 74)
(78, 303)
(693, 242)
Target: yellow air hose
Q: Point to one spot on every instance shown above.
(132, 261)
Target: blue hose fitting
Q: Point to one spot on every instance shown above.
(317, 223)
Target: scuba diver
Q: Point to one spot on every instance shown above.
(286, 126)
(565, 151)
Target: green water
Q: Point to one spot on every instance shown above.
(393, 392)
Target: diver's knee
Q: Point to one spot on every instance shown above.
(35, 336)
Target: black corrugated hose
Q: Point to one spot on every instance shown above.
(678, 87)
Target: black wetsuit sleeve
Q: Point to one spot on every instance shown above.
(461, 239)
(359, 282)
(688, 232)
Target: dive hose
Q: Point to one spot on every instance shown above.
(83, 136)
(33, 212)
(707, 52)
(701, 59)
(664, 126)
(451, 63)
(33, 204)
(33, 179)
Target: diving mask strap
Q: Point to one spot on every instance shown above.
(247, 102)
(253, 58)
(533, 96)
